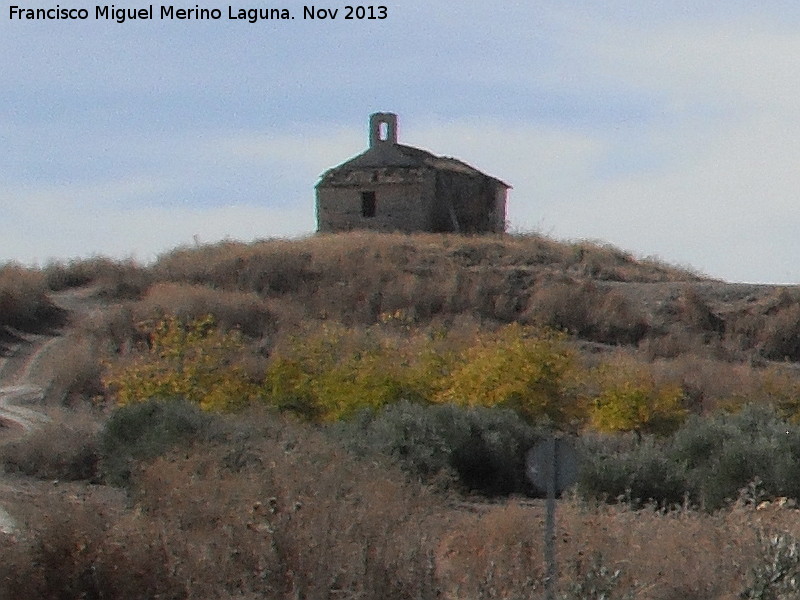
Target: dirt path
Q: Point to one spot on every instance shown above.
(15, 394)
(21, 393)
(18, 390)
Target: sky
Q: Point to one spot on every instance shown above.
(667, 129)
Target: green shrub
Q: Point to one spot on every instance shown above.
(408, 433)
(640, 475)
(489, 448)
(723, 453)
(709, 460)
(146, 430)
(483, 449)
(335, 372)
(332, 374)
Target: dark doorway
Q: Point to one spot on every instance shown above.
(368, 204)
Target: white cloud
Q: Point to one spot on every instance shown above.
(302, 150)
(730, 209)
(144, 232)
(729, 63)
(721, 192)
(119, 219)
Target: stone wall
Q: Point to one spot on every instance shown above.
(478, 203)
(411, 199)
(404, 200)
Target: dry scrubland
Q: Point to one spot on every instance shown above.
(344, 417)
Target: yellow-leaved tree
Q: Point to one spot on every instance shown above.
(629, 399)
(526, 369)
(778, 385)
(333, 373)
(194, 361)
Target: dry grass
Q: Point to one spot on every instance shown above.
(357, 277)
(662, 556)
(68, 369)
(231, 309)
(589, 312)
(715, 341)
(113, 279)
(24, 304)
(272, 509)
(276, 512)
(63, 449)
(592, 290)
(282, 513)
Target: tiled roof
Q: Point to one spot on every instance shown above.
(400, 155)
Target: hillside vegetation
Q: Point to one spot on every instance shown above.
(249, 398)
(718, 341)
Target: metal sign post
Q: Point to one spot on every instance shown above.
(552, 466)
(551, 473)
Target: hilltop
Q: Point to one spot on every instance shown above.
(721, 343)
(714, 338)
(605, 298)
(376, 457)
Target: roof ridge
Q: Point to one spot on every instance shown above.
(405, 156)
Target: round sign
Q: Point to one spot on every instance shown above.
(550, 456)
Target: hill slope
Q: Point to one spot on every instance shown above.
(596, 292)
(712, 338)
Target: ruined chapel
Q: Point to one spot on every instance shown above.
(393, 187)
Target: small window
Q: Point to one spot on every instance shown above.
(383, 131)
(368, 204)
